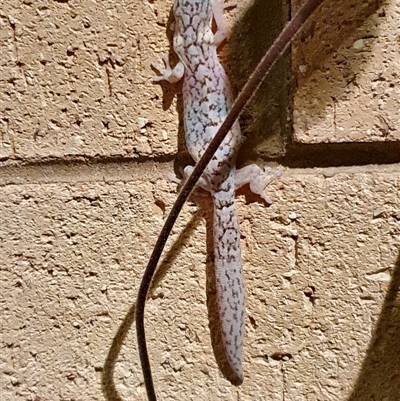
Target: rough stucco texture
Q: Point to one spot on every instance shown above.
(322, 263)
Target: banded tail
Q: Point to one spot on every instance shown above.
(229, 276)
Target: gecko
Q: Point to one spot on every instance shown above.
(207, 99)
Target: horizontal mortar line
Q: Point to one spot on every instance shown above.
(296, 155)
(340, 154)
(151, 170)
(84, 171)
(82, 159)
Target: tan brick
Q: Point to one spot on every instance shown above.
(318, 264)
(322, 264)
(76, 81)
(347, 66)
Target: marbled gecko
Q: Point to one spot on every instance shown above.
(207, 99)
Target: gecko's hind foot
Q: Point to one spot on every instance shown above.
(257, 178)
(173, 179)
(200, 190)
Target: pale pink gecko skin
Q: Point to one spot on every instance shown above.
(207, 99)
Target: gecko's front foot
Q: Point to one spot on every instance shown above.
(218, 7)
(169, 74)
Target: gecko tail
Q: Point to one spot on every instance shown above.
(229, 279)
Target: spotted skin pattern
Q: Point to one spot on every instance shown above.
(206, 101)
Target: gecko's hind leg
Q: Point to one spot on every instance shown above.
(201, 183)
(257, 178)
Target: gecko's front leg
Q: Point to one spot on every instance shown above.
(169, 74)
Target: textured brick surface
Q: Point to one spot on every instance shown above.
(350, 91)
(318, 263)
(76, 80)
(322, 264)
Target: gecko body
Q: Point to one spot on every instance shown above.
(207, 99)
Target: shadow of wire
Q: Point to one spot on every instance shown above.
(107, 379)
(379, 378)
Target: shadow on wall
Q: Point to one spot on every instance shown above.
(380, 374)
(108, 384)
(267, 120)
(379, 378)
